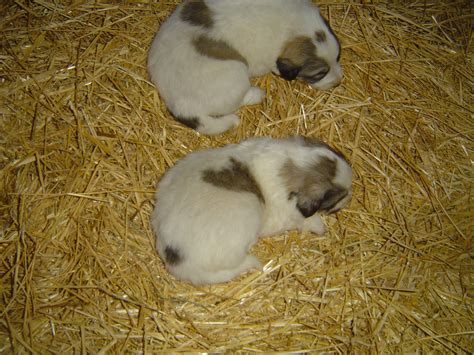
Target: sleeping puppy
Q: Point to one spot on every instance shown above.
(214, 204)
(202, 57)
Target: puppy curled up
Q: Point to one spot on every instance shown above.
(214, 204)
(203, 55)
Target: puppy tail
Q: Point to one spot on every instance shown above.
(209, 125)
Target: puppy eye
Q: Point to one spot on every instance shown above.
(311, 79)
(320, 75)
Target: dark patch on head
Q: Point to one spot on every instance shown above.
(298, 59)
(236, 177)
(197, 13)
(320, 36)
(312, 186)
(335, 37)
(172, 256)
(217, 49)
(191, 122)
(315, 142)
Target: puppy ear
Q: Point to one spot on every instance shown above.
(287, 69)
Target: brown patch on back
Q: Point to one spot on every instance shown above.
(237, 177)
(217, 49)
(197, 13)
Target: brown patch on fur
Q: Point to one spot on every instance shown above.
(312, 186)
(320, 36)
(217, 49)
(237, 177)
(299, 60)
(197, 13)
(172, 256)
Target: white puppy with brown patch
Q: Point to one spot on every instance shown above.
(213, 205)
(202, 57)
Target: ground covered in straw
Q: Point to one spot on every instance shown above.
(85, 138)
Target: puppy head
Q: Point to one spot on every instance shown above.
(314, 57)
(320, 181)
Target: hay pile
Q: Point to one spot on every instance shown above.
(84, 139)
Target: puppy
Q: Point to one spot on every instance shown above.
(213, 205)
(202, 57)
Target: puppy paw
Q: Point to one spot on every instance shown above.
(253, 96)
(314, 224)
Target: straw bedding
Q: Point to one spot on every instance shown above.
(85, 138)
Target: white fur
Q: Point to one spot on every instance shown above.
(212, 227)
(193, 85)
